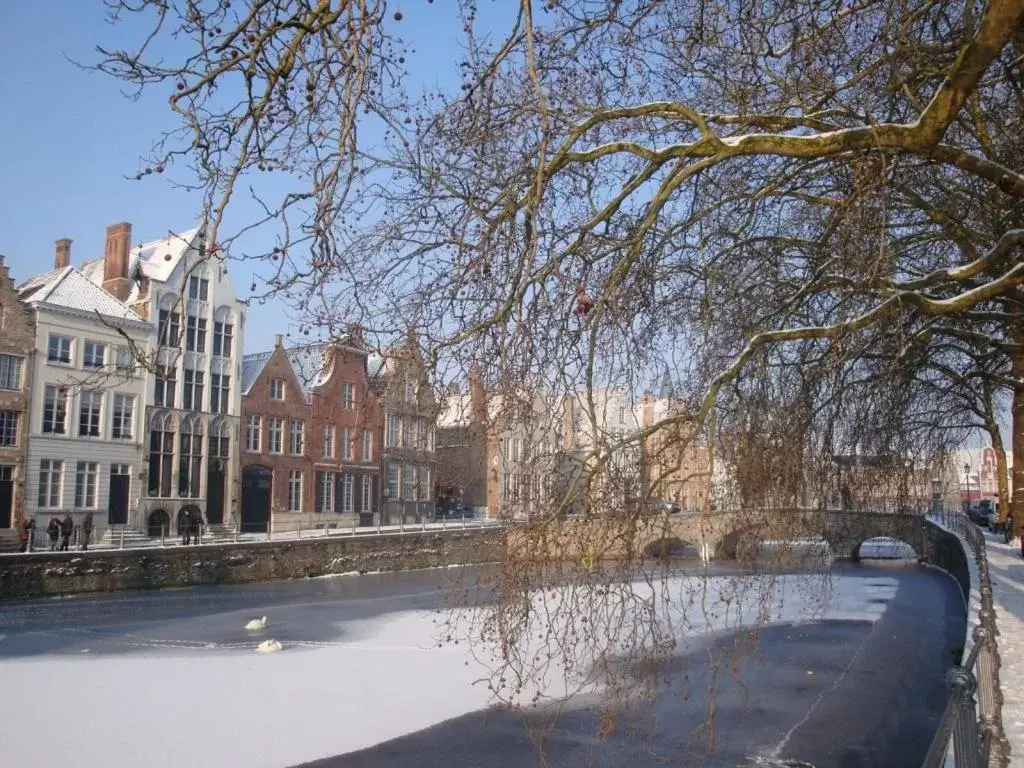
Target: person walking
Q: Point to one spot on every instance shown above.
(27, 527)
(67, 525)
(185, 523)
(53, 531)
(86, 531)
(197, 526)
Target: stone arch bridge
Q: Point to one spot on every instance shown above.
(728, 534)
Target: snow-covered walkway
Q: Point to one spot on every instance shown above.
(1007, 572)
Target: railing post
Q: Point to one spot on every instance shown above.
(966, 739)
(121, 545)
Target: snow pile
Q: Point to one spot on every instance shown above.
(383, 678)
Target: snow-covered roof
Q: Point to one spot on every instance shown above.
(68, 288)
(252, 367)
(309, 363)
(154, 260)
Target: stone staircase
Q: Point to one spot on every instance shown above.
(10, 540)
(218, 532)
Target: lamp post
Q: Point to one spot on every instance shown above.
(967, 478)
(384, 517)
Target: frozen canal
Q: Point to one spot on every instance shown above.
(171, 678)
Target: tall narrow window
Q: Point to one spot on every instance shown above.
(276, 438)
(409, 484)
(55, 410)
(348, 395)
(328, 441)
(8, 428)
(165, 384)
(90, 403)
(324, 491)
(190, 458)
(424, 478)
(223, 333)
(295, 490)
(198, 288)
(254, 434)
(298, 442)
(367, 446)
(394, 481)
(161, 456)
(195, 334)
(192, 392)
(346, 444)
(408, 423)
(367, 494)
(220, 442)
(169, 327)
(10, 371)
(348, 485)
(220, 391)
(85, 484)
(392, 430)
(50, 472)
(123, 424)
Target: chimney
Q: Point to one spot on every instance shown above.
(477, 395)
(115, 260)
(278, 340)
(62, 257)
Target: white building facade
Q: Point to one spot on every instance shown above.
(192, 392)
(87, 403)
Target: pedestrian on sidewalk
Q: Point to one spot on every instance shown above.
(27, 527)
(53, 531)
(86, 531)
(67, 525)
(197, 526)
(185, 523)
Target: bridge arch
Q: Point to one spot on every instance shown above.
(884, 548)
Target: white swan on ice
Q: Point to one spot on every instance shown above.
(257, 624)
(268, 646)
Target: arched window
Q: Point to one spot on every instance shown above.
(223, 332)
(161, 454)
(219, 439)
(190, 458)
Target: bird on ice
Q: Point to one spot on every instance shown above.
(268, 646)
(257, 624)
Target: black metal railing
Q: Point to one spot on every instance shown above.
(971, 730)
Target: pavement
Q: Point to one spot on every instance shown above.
(1006, 569)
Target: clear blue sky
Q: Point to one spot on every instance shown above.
(68, 138)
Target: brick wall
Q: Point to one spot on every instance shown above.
(18, 338)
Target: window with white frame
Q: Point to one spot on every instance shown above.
(165, 382)
(367, 445)
(408, 424)
(254, 434)
(367, 494)
(198, 288)
(295, 490)
(10, 371)
(394, 481)
(86, 485)
(9, 428)
(220, 391)
(123, 424)
(277, 389)
(192, 390)
(90, 404)
(55, 410)
(327, 447)
(58, 349)
(348, 397)
(346, 443)
(276, 436)
(324, 492)
(50, 472)
(195, 333)
(94, 354)
(391, 431)
(125, 361)
(297, 437)
(223, 333)
(348, 498)
(409, 484)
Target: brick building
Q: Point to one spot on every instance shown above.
(17, 346)
(312, 437)
(675, 467)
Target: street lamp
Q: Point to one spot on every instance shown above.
(967, 478)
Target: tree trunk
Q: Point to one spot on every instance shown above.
(1017, 369)
(1002, 478)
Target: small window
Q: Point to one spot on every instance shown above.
(198, 288)
(276, 436)
(94, 354)
(277, 389)
(90, 404)
(10, 371)
(328, 441)
(348, 395)
(8, 428)
(59, 349)
(254, 434)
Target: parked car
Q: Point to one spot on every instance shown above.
(453, 511)
(665, 505)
